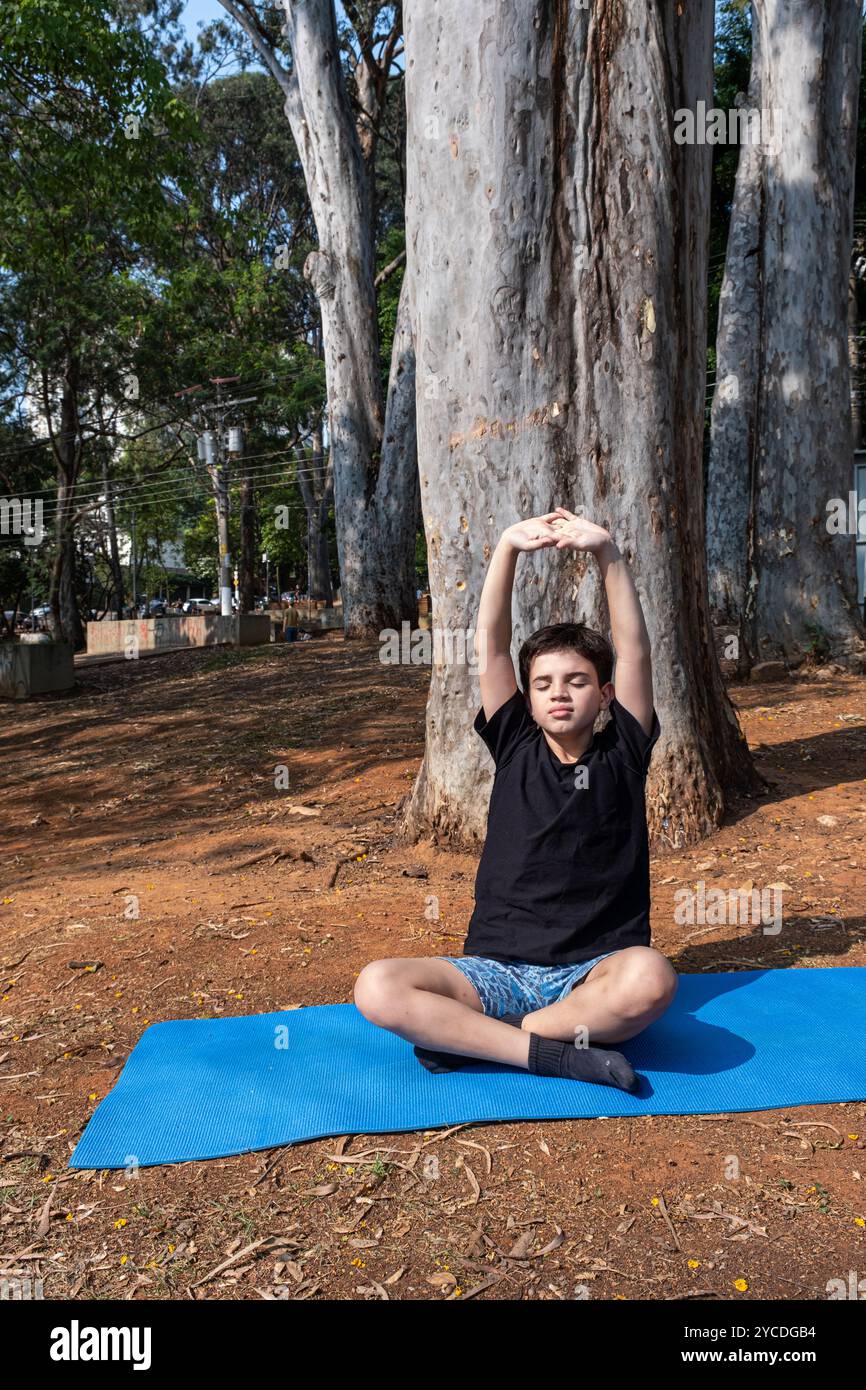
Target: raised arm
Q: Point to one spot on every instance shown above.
(633, 680)
(493, 627)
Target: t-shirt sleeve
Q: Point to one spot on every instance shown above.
(627, 738)
(505, 728)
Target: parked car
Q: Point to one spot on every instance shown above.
(155, 609)
(37, 619)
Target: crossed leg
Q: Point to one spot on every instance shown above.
(428, 1001)
(617, 999)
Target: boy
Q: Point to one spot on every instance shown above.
(562, 892)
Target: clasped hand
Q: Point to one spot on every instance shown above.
(559, 529)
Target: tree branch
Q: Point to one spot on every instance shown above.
(388, 270)
(249, 23)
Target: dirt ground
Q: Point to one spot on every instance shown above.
(156, 779)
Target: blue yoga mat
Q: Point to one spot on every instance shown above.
(206, 1088)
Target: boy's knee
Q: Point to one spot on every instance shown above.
(650, 979)
(656, 986)
(663, 980)
(644, 984)
(373, 990)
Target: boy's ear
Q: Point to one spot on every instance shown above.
(607, 694)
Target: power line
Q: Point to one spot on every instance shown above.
(12, 542)
(192, 488)
(165, 488)
(93, 491)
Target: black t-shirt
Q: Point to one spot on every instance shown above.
(564, 873)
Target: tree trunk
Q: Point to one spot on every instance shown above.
(315, 479)
(372, 442)
(855, 363)
(781, 427)
(324, 588)
(373, 451)
(65, 620)
(557, 244)
(732, 475)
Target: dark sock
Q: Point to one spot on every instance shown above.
(547, 1057)
(453, 1061)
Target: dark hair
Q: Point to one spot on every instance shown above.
(561, 637)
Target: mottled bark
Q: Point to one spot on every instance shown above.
(782, 429)
(732, 472)
(855, 363)
(557, 242)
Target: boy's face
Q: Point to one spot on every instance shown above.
(564, 693)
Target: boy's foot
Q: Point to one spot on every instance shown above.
(453, 1061)
(547, 1057)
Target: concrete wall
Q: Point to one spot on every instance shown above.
(35, 668)
(135, 635)
(252, 629)
(313, 617)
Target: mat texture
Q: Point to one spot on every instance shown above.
(205, 1088)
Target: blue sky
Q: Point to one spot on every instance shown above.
(197, 10)
(200, 9)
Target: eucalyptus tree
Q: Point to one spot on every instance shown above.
(780, 546)
(338, 120)
(557, 261)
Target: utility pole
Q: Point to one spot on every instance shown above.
(134, 559)
(215, 450)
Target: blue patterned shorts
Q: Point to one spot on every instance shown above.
(520, 986)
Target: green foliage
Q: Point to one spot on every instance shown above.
(90, 134)
(153, 229)
(389, 296)
(82, 205)
(818, 649)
